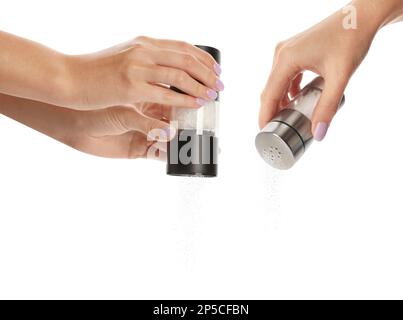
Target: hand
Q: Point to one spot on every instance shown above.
(115, 132)
(133, 72)
(121, 132)
(328, 49)
(123, 75)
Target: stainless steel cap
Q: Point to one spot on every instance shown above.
(284, 140)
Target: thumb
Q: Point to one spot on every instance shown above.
(327, 107)
(154, 129)
(124, 119)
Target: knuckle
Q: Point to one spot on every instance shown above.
(182, 44)
(200, 90)
(279, 46)
(137, 49)
(189, 61)
(212, 79)
(207, 58)
(141, 39)
(282, 50)
(181, 77)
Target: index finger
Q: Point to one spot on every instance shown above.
(197, 51)
(277, 85)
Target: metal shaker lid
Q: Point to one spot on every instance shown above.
(284, 140)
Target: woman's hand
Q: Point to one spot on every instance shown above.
(138, 72)
(330, 49)
(134, 72)
(115, 132)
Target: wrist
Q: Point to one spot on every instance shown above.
(61, 83)
(377, 13)
(395, 11)
(74, 82)
(89, 79)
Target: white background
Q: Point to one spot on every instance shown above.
(77, 226)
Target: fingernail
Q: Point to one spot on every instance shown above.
(217, 69)
(170, 132)
(212, 94)
(220, 85)
(201, 102)
(320, 131)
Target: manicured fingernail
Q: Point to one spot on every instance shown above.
(320, 131)
(170, 132)
(201, 102)
(217, 69)
(212, 94)
(220, 85)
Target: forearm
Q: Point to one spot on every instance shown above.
(45, 118)
(379, 12)
(32, 71)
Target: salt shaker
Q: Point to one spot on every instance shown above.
(193, 151)
(286, 138)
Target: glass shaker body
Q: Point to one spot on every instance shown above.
(194, 149)
(306, 101)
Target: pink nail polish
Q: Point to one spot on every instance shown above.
(217, 69)
(220, 85)
(320, 131)
(212, 94)
(201, 102)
